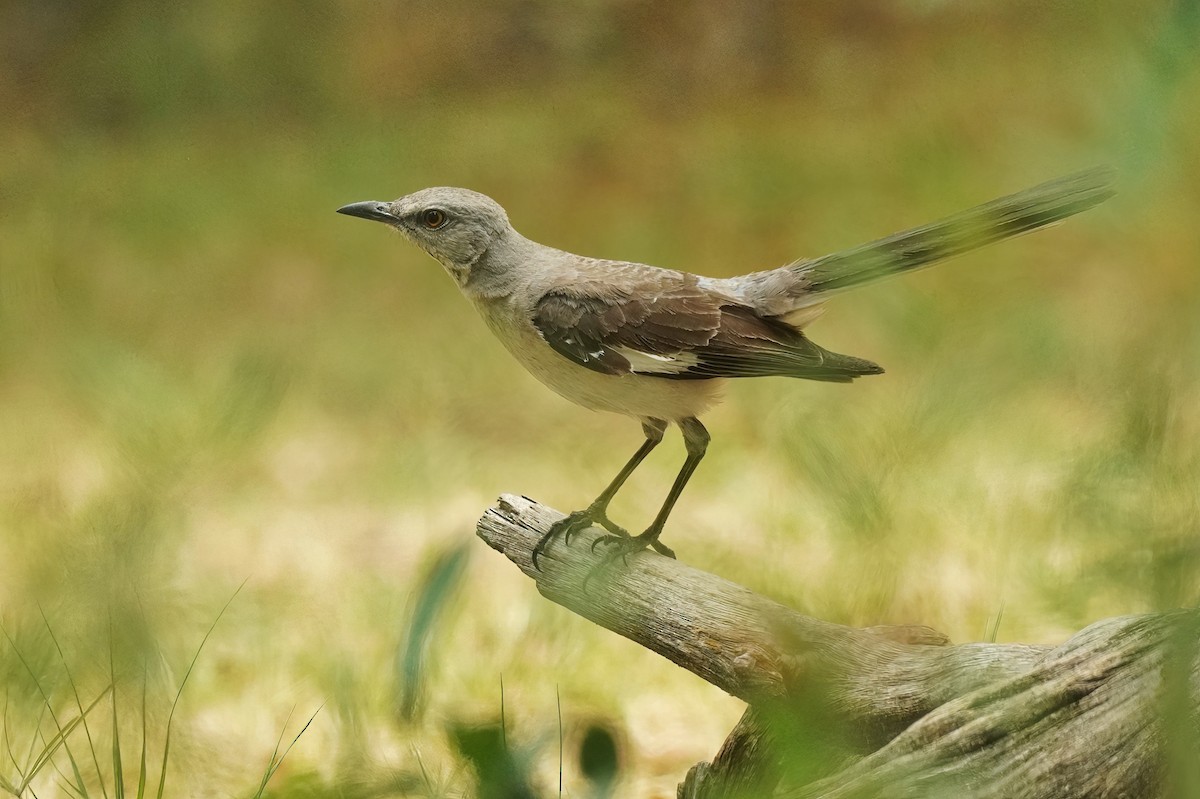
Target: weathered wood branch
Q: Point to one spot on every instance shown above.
(888, 711)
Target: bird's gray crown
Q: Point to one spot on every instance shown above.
(462, 204)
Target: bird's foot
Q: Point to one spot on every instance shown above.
(573, 523)
(626, 544)
(621, 547)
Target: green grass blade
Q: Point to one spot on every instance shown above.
(58, 740)
(993, 627)
(558, 699)
(32, 743)
(162, 775)
(43, 757)
(141, 792)
(275, 763)
(118, 770)
(79, 705)
(70, 789)
(269, 770)
(8, 786)
(64, 782)
(503, 721)
(436, 590)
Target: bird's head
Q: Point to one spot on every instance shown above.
(455, 226)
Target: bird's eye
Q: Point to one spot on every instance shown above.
(433, 218)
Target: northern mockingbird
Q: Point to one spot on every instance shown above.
(657, 344)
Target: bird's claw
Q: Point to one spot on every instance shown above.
(622, 547)
(566, 527)
(573, 523)
(626, 544)
(608, 539)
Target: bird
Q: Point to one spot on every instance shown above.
(658, 344)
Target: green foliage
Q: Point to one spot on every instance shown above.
(439, 586)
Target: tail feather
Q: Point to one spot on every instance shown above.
(839, 368)
(922, 246)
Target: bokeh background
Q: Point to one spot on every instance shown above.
(210, 380)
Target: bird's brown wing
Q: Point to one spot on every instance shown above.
(666, 324)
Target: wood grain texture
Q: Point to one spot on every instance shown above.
(745, 765)
(838, 711)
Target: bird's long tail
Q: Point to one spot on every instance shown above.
(999, 219)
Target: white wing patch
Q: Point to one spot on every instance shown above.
(649, 363)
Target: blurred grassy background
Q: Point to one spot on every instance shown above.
(207, 377)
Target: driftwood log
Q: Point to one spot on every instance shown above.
(837, 711)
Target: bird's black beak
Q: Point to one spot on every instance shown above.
(368, 210)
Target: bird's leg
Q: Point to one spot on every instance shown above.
(598, 510)
(696, 439)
